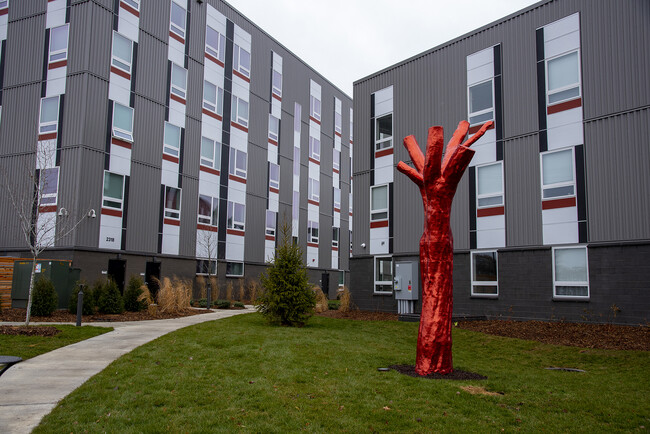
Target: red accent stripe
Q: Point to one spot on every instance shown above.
(352, 142)
(170, 158)
(278, 97)
(314, 161)
(475, 128)
(210, 170)
(274, 190)
(172, 222)
(381, 224)
(337, 133)
(269, 237)
(178, 38)
(214, 59)
(122, 143)
(242, 76)
(206, 227)
(313, 202)
(5, 11)
(335, 249)
(48, 136)
(335, 170)
(567, 105)
(130, 9)
(112, 212)
(55, 65)
(237, 178)
(177, 98)
(487, 212)
(314, 119)
(384, 152)
(337, 209)
(212, 114)
(312, 245)
(235, 232)
(350, 213)
(121, 73)
(239, 127)
(273, 142)
(47, 208)
(559, 203)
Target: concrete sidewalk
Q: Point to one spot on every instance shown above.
(31, 389)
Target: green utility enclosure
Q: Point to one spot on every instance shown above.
(60, 273)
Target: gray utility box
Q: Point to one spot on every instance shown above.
(406, 281)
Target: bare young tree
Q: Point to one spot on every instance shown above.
(34, 200)
(207, 243)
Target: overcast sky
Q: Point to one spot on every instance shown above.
(346, 40)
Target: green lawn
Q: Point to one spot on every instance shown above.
(241, 374)
(32, 346)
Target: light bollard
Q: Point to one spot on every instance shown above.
(209, 298)
(80, 304)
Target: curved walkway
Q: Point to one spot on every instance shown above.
(31, 389)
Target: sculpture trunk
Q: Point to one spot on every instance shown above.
(437, 179)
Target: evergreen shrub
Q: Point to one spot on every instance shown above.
(44, 298)
(132, 293)
(110, 300)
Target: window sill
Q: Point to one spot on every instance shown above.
(382, 293)
(572, 299)
(488, 296)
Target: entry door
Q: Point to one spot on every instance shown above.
(152, 277)
(117, 272)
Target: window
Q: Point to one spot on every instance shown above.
(239, 111)
(313, 190)
(212, 98)
(337, 198)
(570, 272)
(241, 61)
(384, 274)
(237, 163)
(296, 161)
(341, 279)
(49, 118)
(481, 102)
(312, 232)
(122, 52)
(172, 140)
(484, 273)
(49, 185)
(274, 176)
(274, 128)
(4, 4)
(277, 83)
(178, 20)
(489, 185)
(335, 236)
(337, 122)
(236, 216)
(314, 148)
(314, 107)
(208, 210)
(59, 43)
(122, 122)
(379, 202)
(557, 174)
(563, 78)
(204, 266)
(271, 222)
(384, 132)
(215, 44)
(113, 190)
(179, 80)
(210, 153)
(135, 4)
(336, 160)
(172, 203)
(235, 269)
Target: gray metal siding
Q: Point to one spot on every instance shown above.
(144, 208)
(15, 174)
(255, 228)
(25, 47)
(523, 201)
(148, 131)
(154, 20)
(151, 73)
(24, 9)
(189, 212)
(192, 148)
(93, 110)
(20, 108)
(90, 39)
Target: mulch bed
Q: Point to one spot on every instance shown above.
(18, 315)
(453, 375)
(29, 330)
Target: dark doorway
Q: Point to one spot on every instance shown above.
(152, 277)
(325, 284)
(117, 272)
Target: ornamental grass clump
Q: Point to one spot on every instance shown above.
(287, 298)
(346, 300)
(321, 301)
(174, 295)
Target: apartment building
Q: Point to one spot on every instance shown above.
(176, 133)
(551, 220)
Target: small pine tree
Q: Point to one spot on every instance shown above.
(44, 298)
(110, 300)
(287, 298)
(132, 293)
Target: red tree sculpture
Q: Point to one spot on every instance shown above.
(437, 182)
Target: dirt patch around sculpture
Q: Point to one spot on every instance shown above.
(29, 331)
(456, 374)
